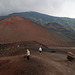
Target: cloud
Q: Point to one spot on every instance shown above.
(50, 7)
(68, 9)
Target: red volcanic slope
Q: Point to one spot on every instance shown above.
(15, 28)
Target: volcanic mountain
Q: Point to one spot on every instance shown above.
(15, 28)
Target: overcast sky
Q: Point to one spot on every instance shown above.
(61, 8)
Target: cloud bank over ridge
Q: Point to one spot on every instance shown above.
(62, 8)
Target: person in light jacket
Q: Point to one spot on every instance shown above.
(40, 50)
(28, 54)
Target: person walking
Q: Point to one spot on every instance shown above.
(40, 50)
(28, 54)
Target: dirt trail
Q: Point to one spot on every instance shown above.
(39, 64)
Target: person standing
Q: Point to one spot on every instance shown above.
(28, 54)
(40, 50)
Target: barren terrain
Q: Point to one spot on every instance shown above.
(18, 34)
(46, 63)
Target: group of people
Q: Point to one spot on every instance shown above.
(70, 55)
(28, 53)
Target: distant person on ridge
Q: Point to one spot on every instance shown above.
(28, 54)
(40, 50)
